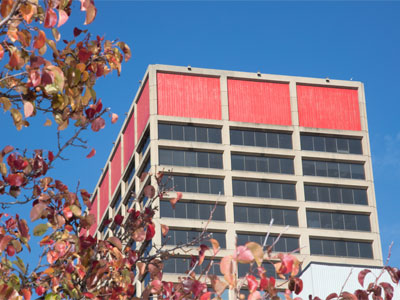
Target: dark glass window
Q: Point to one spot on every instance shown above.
(285, 244)
(130, 173)
(194, 184)
(262, 215)
(184, 236)
(330, 144)
(341, 248)
(262, 164)
(189, 158)
(189, 133)
(192, 210)
(261, 139)
(339, 221)
(264, 189)
(333, 169)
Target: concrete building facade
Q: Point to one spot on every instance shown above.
(292, 149)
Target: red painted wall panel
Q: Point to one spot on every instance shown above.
(188, 96)
(328, 107)
(104, 196)
(115, 169)
(259, 102)
(93, 210)
(129, 140)
(143, 109)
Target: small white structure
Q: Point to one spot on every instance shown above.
(321, 280)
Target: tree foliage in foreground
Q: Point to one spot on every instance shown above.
(43, 73)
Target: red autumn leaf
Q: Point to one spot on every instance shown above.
(255, 296)
(7, 149)
(10, 250)
(37, 211)
(50, 156)
(164, 230)
(16, 179)
(84, 55)
(6, 6)
(176, 199)
(40, 40)
(252, 283)
(34, 78)
(347, 296)
(114, 118)
(28, 109)
(243, 255)
(27, 10)
(91, 154)
(16, 62)
(91, 12)
(361, 276)
(50, 20)
(62, 17)
(215, 245)
(202, 253)
(115, 242)
(388, 289)
(4, 241)
(77, 31)
(149, 191)
(150, 231)
(52, 256)
(264, 282)
(98, 124)
(206, 296)
(26, 293)
(296, 285)
(332, 296)
(40, 290)
(1, 52)
(118, 219)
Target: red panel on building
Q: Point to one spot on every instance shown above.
(129, 140)
(115, 168)
(143, 109)
(328, 107)
(188, 96)
(259, 102)
(104, 196)
(93, 210)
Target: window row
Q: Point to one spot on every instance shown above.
(263, 215)
(191, 184)
(181, 265)
(284, 244)
(262, 164)
(340, 221)
(191, 210)
(335, 194)
(261, 139)
(333, 169)
(181, 237)
(189, 133)
(187, 158)
(243, 269)
(264, 189)
(341, 248)
(330, 144)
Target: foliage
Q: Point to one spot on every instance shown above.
(40, 75)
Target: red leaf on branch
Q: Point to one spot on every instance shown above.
(149, 191)
(16, 179)
(150, 232)
(243, 255)
(118, 219)
(37, 211)
(4, 241)
(6, 6)
(28, 109)
(91, 154)
(114, 118)
(164, 230)
(176, 199)
(332, 296)
(360, 294)
(26, 293)
(361, 276)
(40, 290)
(206, 296)
(91, 12)
(1, 52)
(202, 253)
(50, 20)
(40, 40)
(62, 17)
(50, 156)
(77, 31)
(388, 289)
(252, 283)
(98, 124)
(7, 149)
(34, 78)
(84, 55)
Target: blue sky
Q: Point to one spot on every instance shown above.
(339, 40)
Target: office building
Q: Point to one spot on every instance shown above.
(262, 146)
